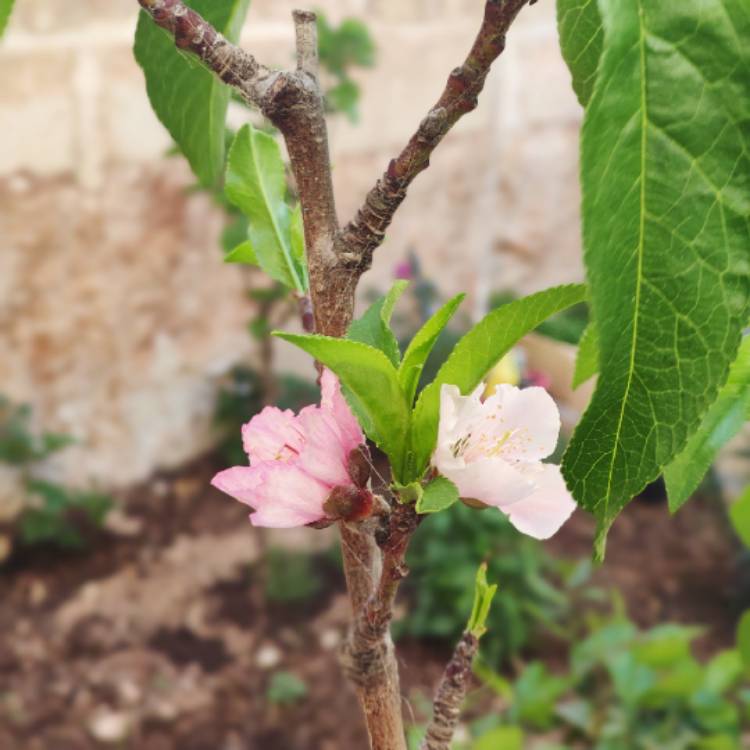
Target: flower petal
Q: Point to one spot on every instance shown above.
(546, 509)
(332, 400)
(528, 417)
(241, 482)
(457, 414)
(491, 480)
(272, 435)
(326, 452)
(288, 497)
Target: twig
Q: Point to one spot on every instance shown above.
(306, 33)
(450, 695)
(193, 34)
(361, 236)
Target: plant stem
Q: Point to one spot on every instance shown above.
(450, 695)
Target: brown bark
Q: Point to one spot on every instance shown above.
(336, 259)
(449, 697)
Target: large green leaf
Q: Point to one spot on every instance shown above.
(587, 361)
(739, 514)
(421, 345)
(256, 184)
(6, 7)
(579, 25)
(722, 422)
(189, 100)
(476, 353)
(666, 198)
(371, 380)
(374, 329)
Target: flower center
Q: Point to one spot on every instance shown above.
(286, 452)
(485, 445)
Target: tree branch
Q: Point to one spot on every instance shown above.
(358, 239)
(192, 33)
(368, 656)
(450, 695)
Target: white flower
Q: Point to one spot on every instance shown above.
(493, 450)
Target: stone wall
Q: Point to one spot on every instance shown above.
(116, 314)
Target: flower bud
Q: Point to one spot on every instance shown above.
(348, 504)
(358, 465)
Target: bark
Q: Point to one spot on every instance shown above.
(446, 707)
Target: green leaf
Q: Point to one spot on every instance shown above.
(476, 353)
(739, 514)
(722, 422)
(500, 738)
(665, 172)
(438, 495)
(723, 671)
(743, 638)
(344, 97)
(374, 329)
(421, 345)
(243, 253)
(587, 361)
(256, 184)
(285, 689)
(6, 7)
(483, 595)
(190, 101)
(579, 25)
(371, 384)
(298, 239)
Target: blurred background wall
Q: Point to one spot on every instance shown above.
(117, 316)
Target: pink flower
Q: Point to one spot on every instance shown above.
(492, 452)
(295, 460)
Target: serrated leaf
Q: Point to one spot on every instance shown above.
(587, 360)
(665, 173)
(579, 25)
(421, 345)
(438, 495)
(739, 514)
(370, 378)
(476, 353)
(190, 101)
(374, 329)
(6, 7)
(243, 253)
(298, 242)
(256, 184)
(722, 422)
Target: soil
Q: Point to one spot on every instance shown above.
(162, 636)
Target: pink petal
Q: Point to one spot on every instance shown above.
(546, 509)
(526, 420)
(272, 435)
(491, 480)
(288, 497)
(325, 453)
(332, 400)
(241, 482)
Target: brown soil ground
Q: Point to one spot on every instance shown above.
(161, 636)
